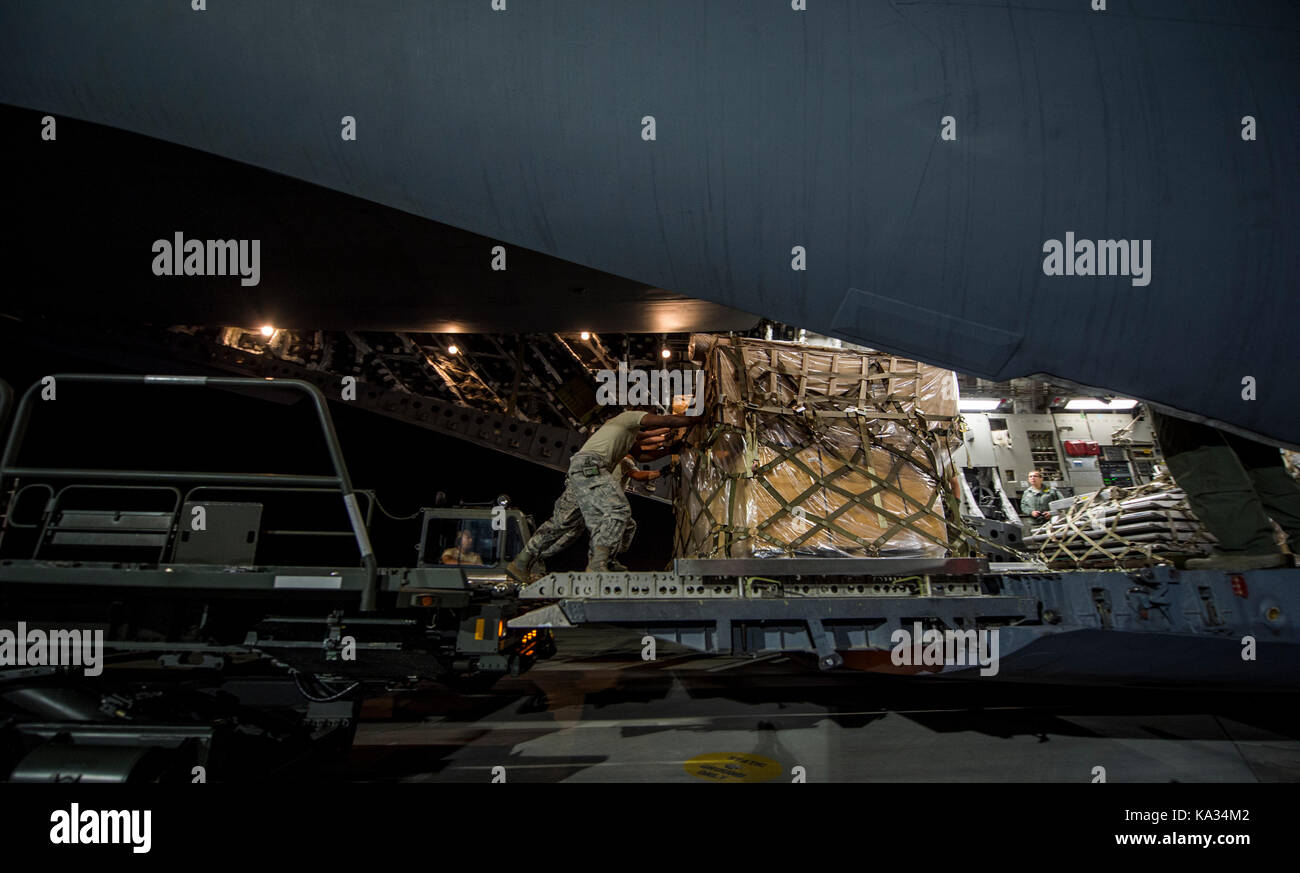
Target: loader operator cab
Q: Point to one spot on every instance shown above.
(479, 539)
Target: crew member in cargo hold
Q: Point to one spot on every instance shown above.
(595, 490)
(1036, 499)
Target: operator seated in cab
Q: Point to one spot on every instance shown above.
(594, 495)
(1037, 498)
(463, 552)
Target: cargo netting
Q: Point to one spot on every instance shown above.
(811, 451)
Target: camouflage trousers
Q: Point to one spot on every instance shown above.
(594, 502)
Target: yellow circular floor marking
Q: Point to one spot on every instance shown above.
(733, 767)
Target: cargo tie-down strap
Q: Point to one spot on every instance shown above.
(756, 436)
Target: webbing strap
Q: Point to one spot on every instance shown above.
(1079, 539)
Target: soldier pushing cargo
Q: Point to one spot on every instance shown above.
(594, 496)
(573, 525)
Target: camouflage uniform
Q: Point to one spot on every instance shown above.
(592, 498)
(572, 524)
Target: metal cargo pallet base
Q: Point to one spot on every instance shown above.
(1154, 624)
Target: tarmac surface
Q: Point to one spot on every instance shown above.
(596, 712)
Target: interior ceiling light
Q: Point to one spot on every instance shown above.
(977, 405)
(1118, 404)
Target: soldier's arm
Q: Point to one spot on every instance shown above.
(652, 420)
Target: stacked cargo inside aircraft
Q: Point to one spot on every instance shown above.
(1122, 527)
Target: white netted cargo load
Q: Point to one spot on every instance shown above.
(1122, 527)
(815, 451)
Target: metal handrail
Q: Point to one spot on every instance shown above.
(16, 496)
(55, 506)
(340, 479)
(275, 489)
(170, 476)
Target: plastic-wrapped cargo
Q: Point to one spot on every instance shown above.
(814, 451)
(1122, 527)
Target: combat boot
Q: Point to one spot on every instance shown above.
(613, 564)
(519, 569)
(599, 561)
